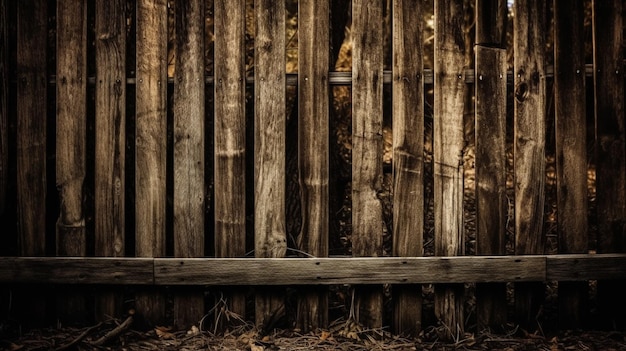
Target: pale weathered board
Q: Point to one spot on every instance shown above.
(571, 151)
(189, 146)
(529, 145)
(490, 152)
(408, 154)
(367, 147)
(150, 146)
(110, 144)
(230, 136)
(448, 143)
(270, 239)
(314, 148)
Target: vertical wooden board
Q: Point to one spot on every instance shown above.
(448, 145)
(32, 31)
(150, 145)
(269, 146)
(367, 147)
(571, 152)
(230, 135)
(529, 145)
(189, 150)
(610, 149)
(408, 151)
(4, 126)
(313, 98)
(490, 131)
(109, 173)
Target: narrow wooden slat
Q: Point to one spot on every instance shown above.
(4, 122)
(230, 135)
(150, 145)
(610, 149)
(408, 150)
(269, 146)
(313, 125)
(189, 151)
(529, 145)
(367, 147)
(490, 131)
(571, 151)
(110, 185)
(448, 153)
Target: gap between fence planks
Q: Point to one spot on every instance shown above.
(311, 271)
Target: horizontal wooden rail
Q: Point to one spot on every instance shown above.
(345, 78)
(310, 271)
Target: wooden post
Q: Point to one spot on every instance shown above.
(408, 155)
(71, 91)
(4, 121)
(230, 136)
(313, 98)
(529, 146)
(367, 147)
(189, 152)
(450, 89)
(571, 151)
(490, 122)
(110, 143)
(269, 148)
(32, 31)
(150, 146)
(610, 150)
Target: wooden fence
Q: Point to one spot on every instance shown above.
(121, 182)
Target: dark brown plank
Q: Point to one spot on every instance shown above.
(110, 184)
(571, 151)
(189, 151)
(4, 126)
(150, 146)
(313, 125)
(269, 146)
(367, 118)
(586, 267)
(450, 90)
(230, 135)
(408, 150)
(490, 153)
(529, 145)
(610, 149)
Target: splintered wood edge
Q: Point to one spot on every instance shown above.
(310, 271)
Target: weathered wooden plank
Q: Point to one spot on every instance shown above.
(4, 122)
(269, 145)
(367, 147)
(490, 157)
(571, 151)
(313, 126)
(529, 145)
(230, 135)
(109, 172)
(448, 152)
(150, 145)
(610, 149)
(583, 267)
(32, 32)
(75, 270)
(189, 151)
(408, 150)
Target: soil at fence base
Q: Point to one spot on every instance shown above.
(245, 338)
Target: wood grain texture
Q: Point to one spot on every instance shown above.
(448, 145)
(314, 148)
(571, 151)
(269, 146)
(230, 135)
(408, 151)
(150, 148)
(367, 147)
(4, 121)
(32, 32)
(610, 139)
(529, 145)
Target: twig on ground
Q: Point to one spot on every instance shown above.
(115, 332)
(79, 338)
